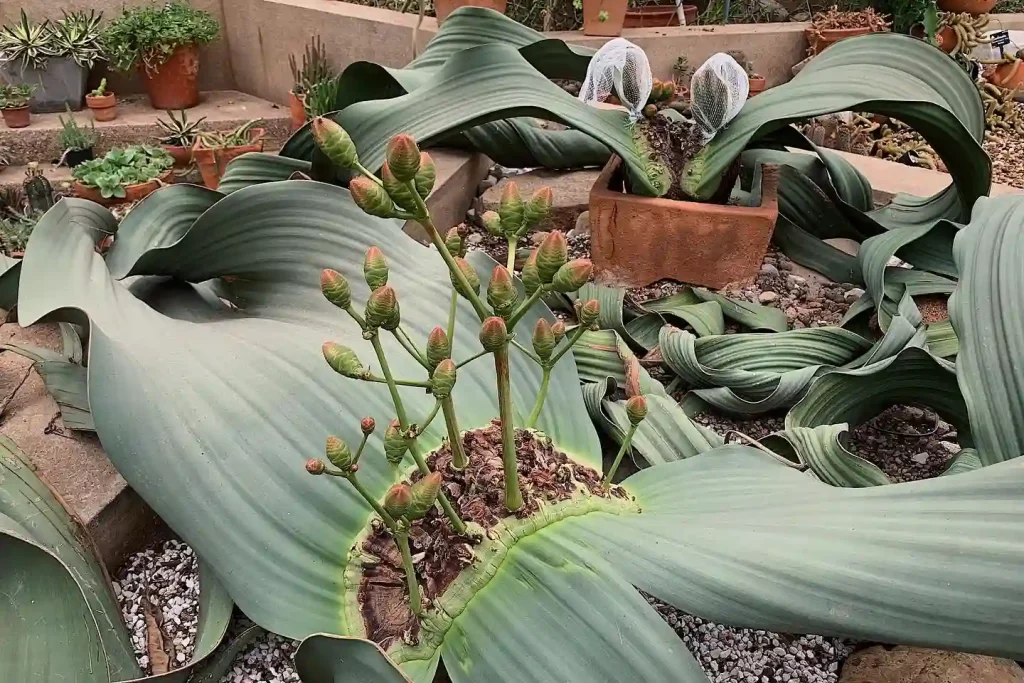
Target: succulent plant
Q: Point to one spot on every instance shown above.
(180, 131)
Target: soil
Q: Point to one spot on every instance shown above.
(906, 442)
(477, 494)
(672, 144)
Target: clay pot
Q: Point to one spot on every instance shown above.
(723, 243)
(175, 83)
(1009, 76)
(182, 155)
(442, 8)
(655, 16)
(103, 107)
(213, 162)
(757, 85)
(133, 193)
(612, 25)
(17, 117)
(819, 40)
(296, 110)
(945, 39)
(974, 7)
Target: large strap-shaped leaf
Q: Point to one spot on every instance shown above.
(556, 611)
(737, 537)
(910, 80)
(987, 312)
(10, 270)
(324, 658)
(208, 399)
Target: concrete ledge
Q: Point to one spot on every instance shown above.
(72, 462)
(136, 123)
(889, 178)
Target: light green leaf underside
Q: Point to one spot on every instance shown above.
(737, 537)
(987, 312)
(556, 611)
(325, 658)
(175, 368)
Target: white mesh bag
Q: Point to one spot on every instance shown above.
(619, 68)
(718, 90)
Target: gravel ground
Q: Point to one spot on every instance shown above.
(906, 442)
(1006, 148)
(755, 428)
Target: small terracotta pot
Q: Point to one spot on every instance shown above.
(757, 85)
(1009, 76)
(213, 162)
(945, 39)
(819, 40)
(442, 8)
(612, 24)
(18, 117)
(655, 16)
(182, 155)
(103, 107)
(297, 110)
(175, 83)
(723, 243)
(133, 193)
(974, 7)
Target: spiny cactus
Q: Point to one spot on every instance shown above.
(407, 177)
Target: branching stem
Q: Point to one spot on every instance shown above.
(618, 456)
(403, 338)
(459, 459)
(388, 519)
(453, 309)
(518, 314)
(428, 419)
(513, 496)
(399, 382)
(359, 451)
(542, 394)
(402, 539)
(510, 262)
(469, 360)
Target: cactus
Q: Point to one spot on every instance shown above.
(37, 189)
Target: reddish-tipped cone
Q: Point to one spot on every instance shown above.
(443, 380)
(543, 339)
(539, 206)
(403, 156)
(530, 274)
(367, 425)
(511, 209)
(315, 467)
(572, 275)
(335, 288)
(375, 268)
(371, 197)
(493, 334)
(471, 277)
(343, 360)
(424, 494)
(381, 307)
(338, 453)
(588, 312)
(636, 409)
(397, 500)
(501, 291)
(439, 346)
(426, 176)
(552, 254)
(334, 142)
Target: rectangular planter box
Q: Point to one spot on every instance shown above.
(60, 85)
(639, 240)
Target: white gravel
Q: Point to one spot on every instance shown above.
(168, 572)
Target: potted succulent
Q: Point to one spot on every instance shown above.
(833, 25)
(1008, 72)
(15, 229)
(102, 103)
(123, 175)
(162, 41)
(315, 69)
(77, 141)
(214, 150)
(181, 136)
(54, 56)
(442, 8)
(755, 80)
(14, 104)
(657, 14)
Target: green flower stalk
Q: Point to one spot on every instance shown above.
(335, 142)
(403, 156)
(375, 268)
(344, 361)
(636, 411)
(371, 197)
(335, 288)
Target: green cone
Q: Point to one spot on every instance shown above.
(375, 268)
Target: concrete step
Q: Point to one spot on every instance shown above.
(136, 124)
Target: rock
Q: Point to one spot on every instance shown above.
(854, 294)
(767, 297)
(474, 238)
(918, 665)
(769, 269)
(920, 458)
(582, 228)
(949, 447)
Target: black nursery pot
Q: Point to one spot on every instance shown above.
(76, 156)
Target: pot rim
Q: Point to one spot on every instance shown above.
(21, 108)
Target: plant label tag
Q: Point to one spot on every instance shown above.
(1000, 38)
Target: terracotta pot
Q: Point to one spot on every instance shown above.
(945, 39)
(18, 117)
(442, 8)
(213, 162)
(175, 83)
(974, 7)
(182, 155)
(612, 24)
(654, 16)
(757, 85)
(819, 40)
(133, 193)
(639, 240)
(1009, 76)
(103, 107)
(297, 110)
